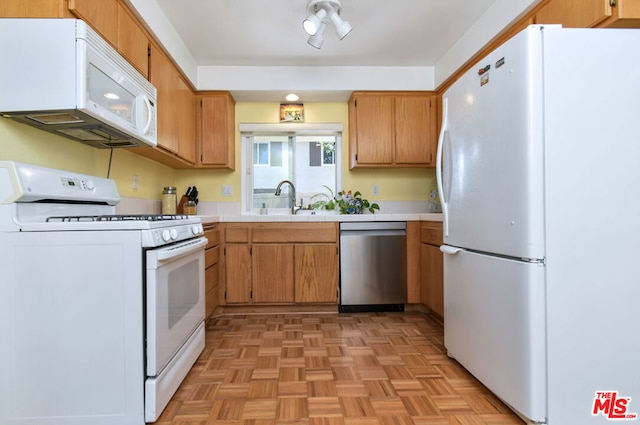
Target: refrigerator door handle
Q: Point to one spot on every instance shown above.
(450, 250)
(442, 190)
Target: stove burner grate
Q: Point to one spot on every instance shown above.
(118, 217)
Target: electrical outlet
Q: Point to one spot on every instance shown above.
(135, 182)
(375, 190)
(227, 190)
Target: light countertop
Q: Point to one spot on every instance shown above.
(257, 218)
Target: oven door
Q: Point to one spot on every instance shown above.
(175, 299)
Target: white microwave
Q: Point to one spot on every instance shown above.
(60, 76)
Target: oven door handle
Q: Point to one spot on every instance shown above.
(180, 250)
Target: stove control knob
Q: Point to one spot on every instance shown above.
(174, 234)
(195, 229)
(166, 236)
(90, 185)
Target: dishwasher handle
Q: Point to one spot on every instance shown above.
(369, 233)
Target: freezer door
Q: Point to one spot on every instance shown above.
(490, 150)
(494, 315)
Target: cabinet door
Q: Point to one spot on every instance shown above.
(102, 15)
(33, 9)
(374, 130)
(132, 42)
(316, 273)
(238, 274)
(217, 127)
(413, 125)
(414, 283)
(163, 77)
(574, 13)
(186, 100)
(431, 273)
(272, 273)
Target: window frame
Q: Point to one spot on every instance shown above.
(247, 131)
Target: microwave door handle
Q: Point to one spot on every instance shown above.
(147, 103)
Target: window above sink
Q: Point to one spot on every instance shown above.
(308, 155)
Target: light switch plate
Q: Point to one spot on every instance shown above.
(227, 190)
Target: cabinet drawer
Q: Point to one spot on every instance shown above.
(211, 256)
(213, 236)
(295, 233)
(211, 277)
(431, 233)
(236, 234)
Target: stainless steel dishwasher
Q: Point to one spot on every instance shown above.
(373, 266)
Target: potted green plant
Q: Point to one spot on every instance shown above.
(323, 201)
(354, 203)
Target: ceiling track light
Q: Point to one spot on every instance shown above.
(320, 14)
(317, 39)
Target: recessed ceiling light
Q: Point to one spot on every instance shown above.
(292, 97)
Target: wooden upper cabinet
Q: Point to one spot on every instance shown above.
(217, 131)
(591, 13)
(392, 129)
(414, 127)
(116, 25)
(374, 129)
(133, 43)
(186, 101)
(102, 15)
(164, 77)
(33, 9)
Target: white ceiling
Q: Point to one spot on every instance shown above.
(269, 32)
(226, 37)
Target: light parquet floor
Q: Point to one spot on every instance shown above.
(334, 369)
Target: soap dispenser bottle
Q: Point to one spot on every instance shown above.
(263, 210)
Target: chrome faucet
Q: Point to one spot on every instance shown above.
(294, 207)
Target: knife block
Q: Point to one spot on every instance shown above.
(181, 204)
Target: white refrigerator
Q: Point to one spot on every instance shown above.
(539, 177)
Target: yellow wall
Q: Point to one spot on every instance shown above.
(394, 184)
(19, 142)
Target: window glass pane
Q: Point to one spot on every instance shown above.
(265, 179)
(276, 154)
(329, 153)
(315, 154)
(310, 179)
(261, 154)
(307, 161)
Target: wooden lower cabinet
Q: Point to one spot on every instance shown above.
(272, 273)
(280, 263)
(414, 283)
(237, 264)
(316, 273)
(212, 268)
(431, 267)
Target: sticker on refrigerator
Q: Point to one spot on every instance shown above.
(484, 79)
(483, 70)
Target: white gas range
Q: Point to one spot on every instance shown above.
(101, 315)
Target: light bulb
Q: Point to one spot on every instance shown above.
(313, 22)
